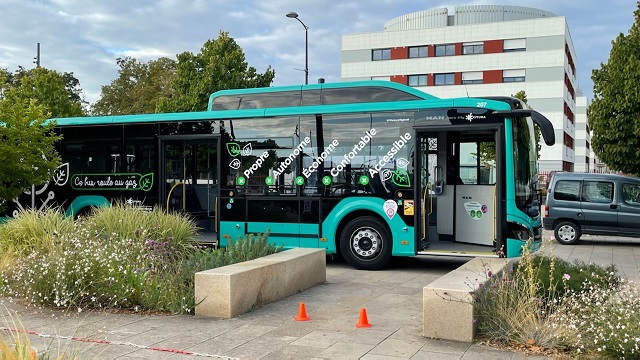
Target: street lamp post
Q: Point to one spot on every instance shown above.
(294, 15)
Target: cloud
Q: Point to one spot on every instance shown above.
(85, 37)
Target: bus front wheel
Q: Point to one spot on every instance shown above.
(365, 243)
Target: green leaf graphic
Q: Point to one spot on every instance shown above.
(400, 177)
(146, 182)
(234, 149)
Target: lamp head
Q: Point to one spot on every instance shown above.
(292, 14)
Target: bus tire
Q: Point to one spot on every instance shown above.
(84, 212)
(365, 243)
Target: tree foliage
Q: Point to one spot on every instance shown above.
(60, 94)
(614, 113)
(27, 99)
(138, 88)
(27, 147)
(221, 64)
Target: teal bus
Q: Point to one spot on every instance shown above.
(367, 170)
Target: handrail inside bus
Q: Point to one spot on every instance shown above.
(424, 214)
(169, 196)
(423, 211)
(493, 228)
(430, 199)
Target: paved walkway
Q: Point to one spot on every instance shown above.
(392, 299)
(604, 250)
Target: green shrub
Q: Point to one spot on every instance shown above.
(515, 306)
(558, 276)
(120, 257)
(244, 249)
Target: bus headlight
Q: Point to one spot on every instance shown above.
(517, 231)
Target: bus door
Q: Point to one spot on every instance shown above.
(475, 202)
(189, 180)
(433, 193)
(456, 187)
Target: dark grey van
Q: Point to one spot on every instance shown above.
(595, 204)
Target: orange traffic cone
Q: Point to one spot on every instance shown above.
(302, 313)
(363, 322)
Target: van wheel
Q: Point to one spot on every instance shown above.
(365, 243)
(567, 232)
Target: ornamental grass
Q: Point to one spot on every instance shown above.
(555, 306)
(116, 257)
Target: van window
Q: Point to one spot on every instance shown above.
(631, 194)
(567, 190)
(598, 191)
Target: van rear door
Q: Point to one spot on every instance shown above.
(565, 204)
(629, 209)
(598, 206)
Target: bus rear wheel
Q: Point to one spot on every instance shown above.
(365, 243)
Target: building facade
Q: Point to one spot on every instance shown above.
(483, 50)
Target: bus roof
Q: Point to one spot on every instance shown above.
(315, 94)
(288, 111)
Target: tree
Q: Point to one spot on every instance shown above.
(614, 113)
(5, 77)
(60, 94)
(138, 88)
(27, 147)
(220, 65)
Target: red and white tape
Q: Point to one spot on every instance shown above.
(122, 343)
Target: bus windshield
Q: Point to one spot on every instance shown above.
(524, 163)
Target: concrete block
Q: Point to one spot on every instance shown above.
(448, 304)
(232, 290)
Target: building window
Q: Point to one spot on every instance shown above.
(444, 79)
(472, 77)
(472, 48)
(445, 50)
(381, 54)
(513, 75)
(417, 80)
(417, 52)
(513, 79)
(514, 45)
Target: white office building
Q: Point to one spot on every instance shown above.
(484, 50)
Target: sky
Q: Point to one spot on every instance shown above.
(86, 37)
